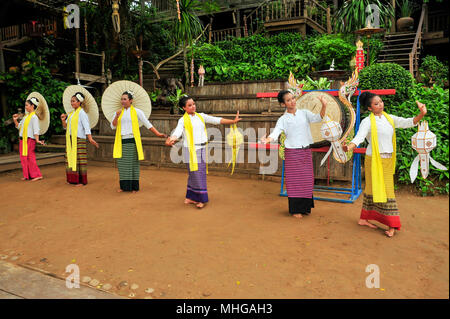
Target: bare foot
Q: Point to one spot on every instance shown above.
(36, 178)
(365, 222)
(24, 179)
(200, 205)
(297, 215)
(189, 201)
(134, 192)
(119, 191)
(390, 232)
(78, 185)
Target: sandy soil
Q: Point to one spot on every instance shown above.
(243, 244)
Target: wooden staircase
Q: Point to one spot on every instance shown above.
(404, 47)
(171, 69)
(397, 48)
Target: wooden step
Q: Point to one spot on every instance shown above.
(12, 162)
(399, 40)
(51, 148)
(398, 61)
(398, 46)
(400, 34)
(397, 50)
(394, 54)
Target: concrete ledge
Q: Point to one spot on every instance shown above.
(26, 283)
(12, 162)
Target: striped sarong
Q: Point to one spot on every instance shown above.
(80, 175)
(299, 177)
(30, 168)
(386, 213)
(128, 166)
(196, 185)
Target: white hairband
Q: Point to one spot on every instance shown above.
(131, 93)
(79, 97)
(35, 101)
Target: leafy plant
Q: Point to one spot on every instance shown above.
(154, 95)
(36, 77)
(352, 15)
(320, 84)
(437, 101)
(329, 47)
(406, 8)
(433, 71)
(259, 58)
(387, 76)
(175, 99)
(187, 28)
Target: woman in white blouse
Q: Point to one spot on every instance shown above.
(128, 145)
(379, 129)
(192, 126)
(295, 123)
(30, 122)
(76, 172)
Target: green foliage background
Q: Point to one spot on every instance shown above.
(36, 77)
(393, 76)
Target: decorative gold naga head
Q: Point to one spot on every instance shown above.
(349, 87)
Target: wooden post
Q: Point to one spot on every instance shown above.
(77, 53)
(245, 26)
(210, 29)
(77, 62)
(328, 20)
(393, 18)
(238, 24)
(103, 63)
(2, 88)
(425, 20)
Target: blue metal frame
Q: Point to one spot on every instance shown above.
(356, 188)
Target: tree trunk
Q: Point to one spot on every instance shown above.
(186, 70)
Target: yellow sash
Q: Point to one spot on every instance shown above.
(72, 145)
(378, 186)
(193, 162)
(117, 153)
(25, 134)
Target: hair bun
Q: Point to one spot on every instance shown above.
(365, 98)
(79, 96)
(35, 101)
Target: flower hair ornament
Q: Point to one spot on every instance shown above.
(35, 101)
(79, 97)
(131, 93)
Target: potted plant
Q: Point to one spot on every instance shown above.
(406, 9)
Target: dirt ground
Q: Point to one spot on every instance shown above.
(243, 244)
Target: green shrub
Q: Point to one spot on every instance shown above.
(437, 101)
(433, 71)
(38, 78)
(387, 76)
(329, 47)
(268, 58)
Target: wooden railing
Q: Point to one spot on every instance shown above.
(282, 10)
(224, 34)
(34, 28)
(413, 56)
(437, 21)
(254, 21)
(163, 5)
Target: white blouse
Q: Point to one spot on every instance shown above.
(33, 126)
(84, 127)
(385, 132)
(198, 129)
(296, 127)
(126, 129)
